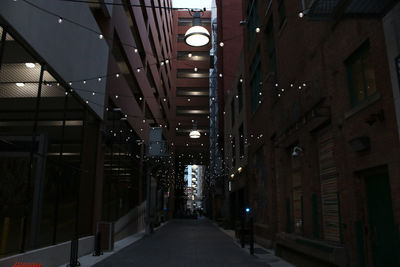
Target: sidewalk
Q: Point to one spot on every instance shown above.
(264, 254)
(90, 260)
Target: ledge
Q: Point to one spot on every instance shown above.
(363, 105)
(314, 249)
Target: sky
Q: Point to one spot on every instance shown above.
(192, 3)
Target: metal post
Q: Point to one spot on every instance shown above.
(148, 199)
(242, 241)
(251, 236)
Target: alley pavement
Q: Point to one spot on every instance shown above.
(183, 243)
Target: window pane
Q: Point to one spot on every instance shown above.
(357, 80)
(369, 75)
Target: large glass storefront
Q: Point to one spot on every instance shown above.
(48, 148)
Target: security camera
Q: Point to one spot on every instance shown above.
(296, 151)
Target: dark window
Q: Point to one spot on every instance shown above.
(233, 152)
(189, 22)
(189, 73)
(240, 95)
(398, 68)
(271, 53)
(144, 11)
(252, 21)
(125, 68)
(256, 85)
(181, 38)
(281, 12)
(361, 76)
(241, 141)
(233, 112)
(134, 30)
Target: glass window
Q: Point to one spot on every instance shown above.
(361, 75)
(240, 95)
(271, 53)
(256, 82)
(252, 21)
(241, 141)
(233, 112)
(281, 12)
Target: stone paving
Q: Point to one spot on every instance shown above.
(183, 243)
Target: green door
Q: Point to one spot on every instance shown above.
(382, 226)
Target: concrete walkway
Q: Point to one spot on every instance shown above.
(183, 243)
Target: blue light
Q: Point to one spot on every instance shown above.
(247, 210)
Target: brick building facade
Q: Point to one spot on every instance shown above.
(323, 160)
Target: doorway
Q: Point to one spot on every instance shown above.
(383, 230)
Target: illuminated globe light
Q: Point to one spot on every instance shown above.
(247, 210)
(194, 134)
(197, 36)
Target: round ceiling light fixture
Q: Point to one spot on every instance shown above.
(197, 35)
(194, 134)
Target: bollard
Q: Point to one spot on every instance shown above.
(73, 260)
(97, 245)
(251, 236)
(242, 242)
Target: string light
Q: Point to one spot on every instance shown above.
(60, 20)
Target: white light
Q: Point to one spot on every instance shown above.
(30, 65)
(190, 55)
(195, 69)
(116, 96)
(258, 30)
(60, 20)
(136, 50)
(101, 36)
(167, 61)
(20, 84)
(93, 93)
(117, 75)
(241, 80)
(221, 44)
(194, 134)
(301, 14)
(84, 82)
(162, 63)
(99, 79)
(138, 69)
(220, 75)
(197, 36)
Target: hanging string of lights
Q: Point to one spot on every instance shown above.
(139, 69)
